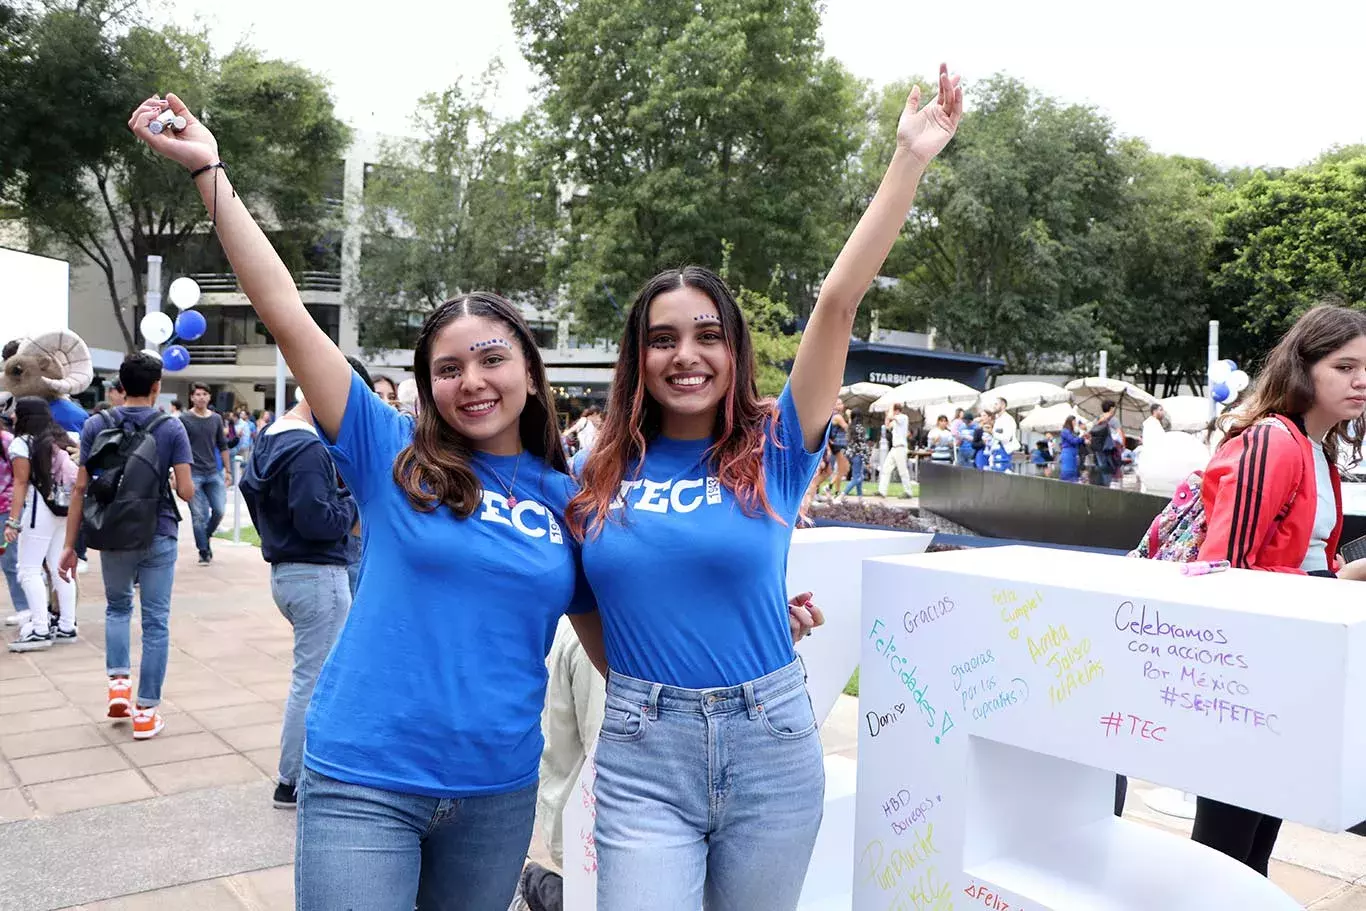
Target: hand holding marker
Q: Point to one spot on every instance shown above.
(166, 118)
(1204, 567)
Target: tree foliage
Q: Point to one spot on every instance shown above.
(70, 168)
(465, 208)
(682, 122)
(1286, 243)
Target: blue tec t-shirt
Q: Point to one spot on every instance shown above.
(437, 681)
(677, 525)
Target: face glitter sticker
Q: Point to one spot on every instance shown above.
(707, 316)
(479, 346)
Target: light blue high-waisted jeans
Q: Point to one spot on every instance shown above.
(708, 796)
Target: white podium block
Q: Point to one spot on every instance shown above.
(1003, 689)
(828, 563)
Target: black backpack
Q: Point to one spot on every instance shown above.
(122, 504)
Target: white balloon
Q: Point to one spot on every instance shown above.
(184, 292)
(157, 328)
(1219, 371)
(1238, 380)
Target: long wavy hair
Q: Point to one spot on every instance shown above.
(434, 468)
(33, 418)
(1286, 383)
(634, 417)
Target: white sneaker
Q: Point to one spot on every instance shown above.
(18, 619)
(31, 639)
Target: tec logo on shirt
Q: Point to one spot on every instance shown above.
(529, 517)
(672, 495)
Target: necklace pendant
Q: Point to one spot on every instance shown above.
(512, 500)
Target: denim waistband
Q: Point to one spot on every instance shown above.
(721, 700)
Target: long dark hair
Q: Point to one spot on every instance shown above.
(1286, 385)
(434, 468)
(634, 417)
(33, 418)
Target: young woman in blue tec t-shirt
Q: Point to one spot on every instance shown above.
(710, 780)
(423, 734)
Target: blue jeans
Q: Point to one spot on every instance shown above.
(707, 796)
(364, 849)
(315, 600)
(9, 563)
(207, 506)
(855, 476)
(153, 568)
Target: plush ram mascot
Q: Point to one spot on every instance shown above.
(54, 366)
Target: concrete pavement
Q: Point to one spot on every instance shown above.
(90, 819)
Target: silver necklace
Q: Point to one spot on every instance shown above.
(516, 467)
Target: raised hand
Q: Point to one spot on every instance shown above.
(193, 147)
(924, 132)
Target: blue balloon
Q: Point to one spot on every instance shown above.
(1232, 365)
(190, 325)
(175, 357)
(1219, 391)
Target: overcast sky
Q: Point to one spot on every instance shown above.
(1240, 82)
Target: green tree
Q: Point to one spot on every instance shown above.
(1158, 313)
(1286, 243)
(1014, 236)
(683, 122)
(466, 207)
(89, 187)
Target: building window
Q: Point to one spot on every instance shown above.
(544, 334)
(328, 318)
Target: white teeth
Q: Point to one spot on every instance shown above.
(688, 380)
(481, 408)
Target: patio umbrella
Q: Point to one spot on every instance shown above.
(859, 396)
(1187, 413)
(1133, 403)
(918, 394)
(1047, 418)
(1022, 396)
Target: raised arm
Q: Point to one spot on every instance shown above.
(819, 367)
(317, 363)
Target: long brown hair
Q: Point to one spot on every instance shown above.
(1286, 385)
(634, 417)
(434, 468)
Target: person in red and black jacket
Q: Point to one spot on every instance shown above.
(1273, 498)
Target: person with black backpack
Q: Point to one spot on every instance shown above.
(122, 498)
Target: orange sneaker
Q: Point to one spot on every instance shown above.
(120, 697)
(147, 723)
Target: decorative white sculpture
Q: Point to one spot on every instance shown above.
(1002, 689)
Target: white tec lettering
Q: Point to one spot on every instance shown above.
(680, 496)
(527, 516)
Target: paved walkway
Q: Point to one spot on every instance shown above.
(189, 812)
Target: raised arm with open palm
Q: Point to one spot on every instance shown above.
(819, 368)
(317, 363)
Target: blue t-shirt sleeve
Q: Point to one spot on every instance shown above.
(372, 434)
(788, 467)
(584, 601)
(180, 444)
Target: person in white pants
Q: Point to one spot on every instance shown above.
(896, 456)
(43, 471)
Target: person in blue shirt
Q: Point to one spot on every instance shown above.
(1069, 461)
(710, 775)
(423, 735)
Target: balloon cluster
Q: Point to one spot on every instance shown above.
(157, 328)
(1226, 381)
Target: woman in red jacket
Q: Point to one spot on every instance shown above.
(1273, 499)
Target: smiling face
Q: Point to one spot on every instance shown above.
(480, 382)
(688, 364)
(1340, 383)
